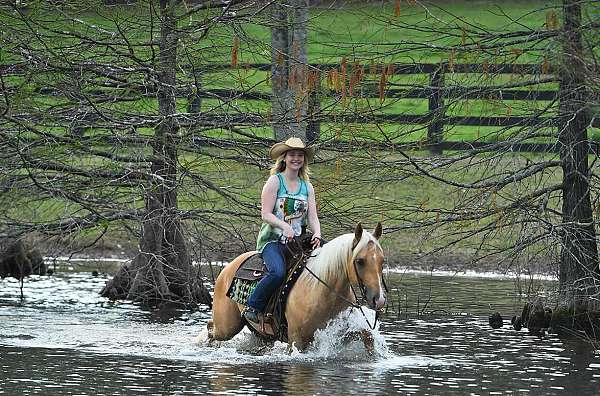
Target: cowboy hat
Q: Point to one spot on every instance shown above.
(292, 143)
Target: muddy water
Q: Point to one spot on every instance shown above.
(435, 339)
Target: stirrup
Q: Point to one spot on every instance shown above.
(251, 315)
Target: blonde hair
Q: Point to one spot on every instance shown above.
(279, 167)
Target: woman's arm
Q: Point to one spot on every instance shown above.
(267, 203)
(313, 217)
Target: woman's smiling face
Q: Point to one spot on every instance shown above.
(294, 159)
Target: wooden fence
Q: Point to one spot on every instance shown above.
(436, 93)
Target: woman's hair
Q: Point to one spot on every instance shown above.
(279, 166)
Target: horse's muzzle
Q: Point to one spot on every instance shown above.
(377, 301)
(380, 302)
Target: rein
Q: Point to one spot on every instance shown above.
(361, 287)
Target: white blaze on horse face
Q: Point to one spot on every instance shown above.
(375, 291)
(380, 301)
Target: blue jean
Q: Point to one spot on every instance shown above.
(273, 257)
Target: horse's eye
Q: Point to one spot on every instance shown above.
(360, 262)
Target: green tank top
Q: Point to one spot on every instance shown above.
(290, 207)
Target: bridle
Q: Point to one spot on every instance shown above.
(361, 287)
(363, 294)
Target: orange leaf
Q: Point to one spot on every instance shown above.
(312, 80)
(451, 60)
(330, 83)
(516, 52)
(397, 9)
(382, 83)
(338, 162)
(355, 77)
(390, 69)
(234, 51)
(299, 103)
(342, 78)
(335, 79)
(545, 66)
(486, 68)
(373, 68)
(551, 20)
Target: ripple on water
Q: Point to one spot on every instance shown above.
(65, 338)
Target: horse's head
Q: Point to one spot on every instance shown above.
(366, 266)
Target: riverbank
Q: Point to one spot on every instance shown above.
(109, 253)
(108, 261)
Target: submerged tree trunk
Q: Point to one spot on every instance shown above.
(162, 270)
(579, 256)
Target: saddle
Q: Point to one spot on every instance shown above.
(272, 324)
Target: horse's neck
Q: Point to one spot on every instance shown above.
(334, 280)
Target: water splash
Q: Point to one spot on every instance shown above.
(331, 343)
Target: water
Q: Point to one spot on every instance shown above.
(65, 339)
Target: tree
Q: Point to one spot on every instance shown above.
(579, 271)
(162, 270)
(92, 130)
(290, 68)
(496, 202)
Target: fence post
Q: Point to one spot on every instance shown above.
(435, 129)
(313, 127)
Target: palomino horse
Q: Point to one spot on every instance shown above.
(319, 294)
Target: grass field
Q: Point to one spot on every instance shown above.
(358, 32)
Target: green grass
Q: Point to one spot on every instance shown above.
(357, 32)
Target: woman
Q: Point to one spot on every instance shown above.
(287, 205)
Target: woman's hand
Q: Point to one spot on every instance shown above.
(316, 241)
(288, 232)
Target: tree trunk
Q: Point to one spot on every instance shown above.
(162, 270)
(298, 81)
(289, 68)
(279, 72)
(579, 256)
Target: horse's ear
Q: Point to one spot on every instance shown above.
(378, 231)
(358, 231)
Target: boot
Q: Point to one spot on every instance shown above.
(251, 315)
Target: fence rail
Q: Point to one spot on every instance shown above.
(436, 93)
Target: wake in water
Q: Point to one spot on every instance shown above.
(329, 343)
(65, 313)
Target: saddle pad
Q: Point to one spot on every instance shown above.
(241, 290)
(252, 269)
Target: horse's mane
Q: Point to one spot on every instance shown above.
(330, 260)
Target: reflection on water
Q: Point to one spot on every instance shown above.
(65, 339)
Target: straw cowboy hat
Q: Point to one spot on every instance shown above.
(292, 143)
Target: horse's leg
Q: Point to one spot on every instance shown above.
(300, 319)
(226, 319)
(298, 340)
(363, 335)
